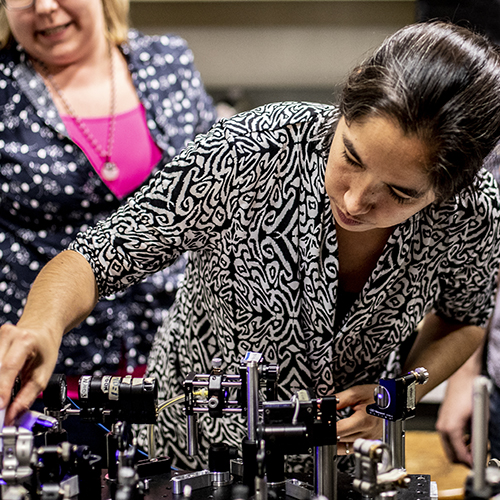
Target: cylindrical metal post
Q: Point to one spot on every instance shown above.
(394, 438)
(252, 399)
(192, 435)
(325, 471)
(480, 417)
(151, 441)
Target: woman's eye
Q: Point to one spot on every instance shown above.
(349, 160)
(398, 198)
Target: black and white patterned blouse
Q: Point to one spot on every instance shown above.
(248, 199)
(49, 191)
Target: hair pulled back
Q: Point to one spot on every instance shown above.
(441, 83)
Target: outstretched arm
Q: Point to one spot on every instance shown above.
(63, 294)
(440, 347)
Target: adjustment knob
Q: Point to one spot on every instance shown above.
(54, 395)
(382, 397)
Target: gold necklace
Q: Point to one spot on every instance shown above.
(109, 171)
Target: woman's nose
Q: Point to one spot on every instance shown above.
(46, 6)
(359, 199)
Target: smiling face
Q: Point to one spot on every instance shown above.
(375, 176)
(60, 32)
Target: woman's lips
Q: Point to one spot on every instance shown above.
(53, 31)
(347, 220)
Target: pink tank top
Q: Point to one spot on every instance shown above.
(134, 152)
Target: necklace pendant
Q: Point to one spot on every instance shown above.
(110, 171)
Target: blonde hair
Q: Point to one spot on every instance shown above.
(116, 16)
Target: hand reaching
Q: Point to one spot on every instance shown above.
(454, 421)
(31, 354)
(359, 424)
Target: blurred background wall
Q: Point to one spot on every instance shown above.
(252, 52)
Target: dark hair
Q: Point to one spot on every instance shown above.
(441, 83)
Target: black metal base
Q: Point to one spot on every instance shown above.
(160, 488)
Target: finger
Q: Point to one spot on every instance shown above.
(462, 451)
(464, 456)
(359, 425)
(456, 448)
(448, 448)
(23, 401)
(356, 396)
(345, 448)
(11, 361)
(347, 398)
(349, 426)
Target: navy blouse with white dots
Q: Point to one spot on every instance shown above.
(49, 191)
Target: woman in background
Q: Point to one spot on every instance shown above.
(88, 109)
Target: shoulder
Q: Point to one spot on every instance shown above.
(165, 49)
(286, 115)
(475, 210)
(487, 187)
(483, 196)
(15, 75)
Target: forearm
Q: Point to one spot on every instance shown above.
(63, 294)
(442, 348)
(470, 369)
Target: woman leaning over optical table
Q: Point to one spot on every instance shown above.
(318, 235)
(88, 108)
